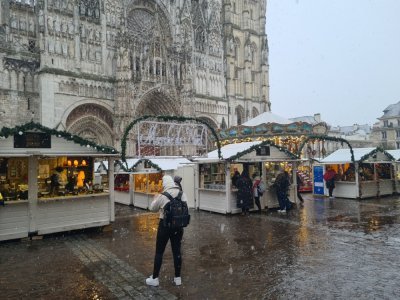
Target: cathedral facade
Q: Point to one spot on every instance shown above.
(91, 67)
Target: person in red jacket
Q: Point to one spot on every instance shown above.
(329, 178)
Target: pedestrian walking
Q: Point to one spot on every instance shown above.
(329, 178)
(299, 184)
(165, 234)
(281, 186)
(245, 192)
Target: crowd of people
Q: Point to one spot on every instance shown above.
(250, 190)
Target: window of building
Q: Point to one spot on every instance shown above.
(384, 135)
(385, 123)
(397, 145)
(398, 133)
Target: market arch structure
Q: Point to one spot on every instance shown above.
(166, 119)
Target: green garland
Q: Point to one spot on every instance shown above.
(326, 138)
(145, 160)
(255, 147)
(165, 119)
(376, 150)
(6, 132)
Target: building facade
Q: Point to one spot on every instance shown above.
(386, 132)
(91, 67)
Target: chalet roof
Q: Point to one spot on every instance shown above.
(393, 110)
(267, 117)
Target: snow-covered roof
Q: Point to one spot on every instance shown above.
(393, 110)
(344, 155)
(267, 117)
(229, 150)
(305, 119)
(394, 153)
(165, 163)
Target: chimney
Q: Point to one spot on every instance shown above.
(317, 118)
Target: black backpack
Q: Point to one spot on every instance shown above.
(176, 212)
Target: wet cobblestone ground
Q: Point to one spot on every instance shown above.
(327, 249)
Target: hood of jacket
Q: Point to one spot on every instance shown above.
(168, 182)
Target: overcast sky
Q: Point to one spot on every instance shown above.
(340, 58)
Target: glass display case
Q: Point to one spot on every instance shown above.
(66, 176)
(13, 179)
(149, 183)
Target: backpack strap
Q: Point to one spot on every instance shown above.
(168, 195)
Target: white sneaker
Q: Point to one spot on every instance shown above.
(152, 281)
(283, 211)
(177, 280)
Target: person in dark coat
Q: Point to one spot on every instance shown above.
(235, 177)
(299, 184)
(281, 186)
(245, 192)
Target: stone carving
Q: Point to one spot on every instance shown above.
(17, 64)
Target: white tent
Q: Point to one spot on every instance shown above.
(344, 155)
(267, 117)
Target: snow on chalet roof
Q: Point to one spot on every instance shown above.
(394, 153)
(344, 155)
(229, 150)
(267, 117)
(165, 163)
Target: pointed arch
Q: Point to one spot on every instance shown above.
(240, 114)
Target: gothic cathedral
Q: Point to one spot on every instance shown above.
(91, 67)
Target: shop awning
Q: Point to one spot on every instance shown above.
(342, 156)
(165, 163)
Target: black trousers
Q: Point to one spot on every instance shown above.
(257, 201)
(164, 234)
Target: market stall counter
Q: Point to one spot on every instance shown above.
(216, 188)
(47, 182)
(370, 174)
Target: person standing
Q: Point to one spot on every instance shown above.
(329, 178)
(245, 192)
(299, 184)
(256, 193)
(235, 177)
(165, 234)
(281, 186)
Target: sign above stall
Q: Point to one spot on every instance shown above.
(189, 138)
(32, 140)
(263, 151)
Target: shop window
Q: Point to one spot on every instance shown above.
(149, 183)
(14, 179)
(68, 176)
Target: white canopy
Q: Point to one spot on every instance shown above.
(229, 150)
(344, 155)
(165, 163)
(394, 153)
(267, 117)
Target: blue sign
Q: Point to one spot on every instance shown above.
(318, 180)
